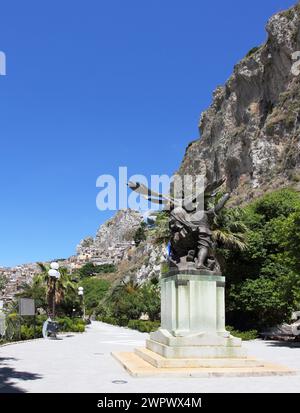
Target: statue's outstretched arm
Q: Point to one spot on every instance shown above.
(152, 196)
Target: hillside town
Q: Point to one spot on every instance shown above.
(113, 241)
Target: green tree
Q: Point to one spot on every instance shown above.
(261, 303)
(263, 281)
(94, 291)
(150, 300)
(276, 204)
(35, 290)
(55, 289)
(128, 300)
(87, 270)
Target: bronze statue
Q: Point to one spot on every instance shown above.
(191, 245)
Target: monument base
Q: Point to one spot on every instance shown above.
(192, 340)
(193, 318)
(195, 345)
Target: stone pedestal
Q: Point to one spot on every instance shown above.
(193, 319)
(192, 340)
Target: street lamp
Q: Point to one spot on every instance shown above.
(50, 328)
(80, 293)
(54, 275)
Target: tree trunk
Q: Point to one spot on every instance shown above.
(51, 299)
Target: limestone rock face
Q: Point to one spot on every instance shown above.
(113, 239)
(151, 266)
(250, 133)
(120, 228)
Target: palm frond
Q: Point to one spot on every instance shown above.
(230, 240)
(42, 266)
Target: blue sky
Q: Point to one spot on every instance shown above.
(97, 84)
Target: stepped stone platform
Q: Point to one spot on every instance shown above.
(145, 363)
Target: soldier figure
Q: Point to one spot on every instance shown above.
(191, 236)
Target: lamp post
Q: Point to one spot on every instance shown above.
(50, 328)
(80, 293)
(54, 275)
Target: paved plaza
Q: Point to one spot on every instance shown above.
(83, 363)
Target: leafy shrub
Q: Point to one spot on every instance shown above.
(144, 326)
(78, 328)
(244, 335)
(252, 51)
(66, 324)
(27, 332)
(23, 328)
(161, 231)
(108, 320)
(140, 234)
(89, 269)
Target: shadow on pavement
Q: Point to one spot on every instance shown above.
(288, 344)
(8, 373)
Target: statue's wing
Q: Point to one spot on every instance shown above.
(210, 188)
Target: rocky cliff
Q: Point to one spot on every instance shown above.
(250, 133)
(114, 244)
(113, 239)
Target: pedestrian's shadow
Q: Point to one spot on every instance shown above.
(8, 373)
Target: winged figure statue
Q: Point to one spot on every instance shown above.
(191, 245)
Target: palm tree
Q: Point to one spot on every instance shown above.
(36, 290)
(56, 288)
(129, 286)
(229, 230)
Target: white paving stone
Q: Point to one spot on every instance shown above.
(83, 363)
